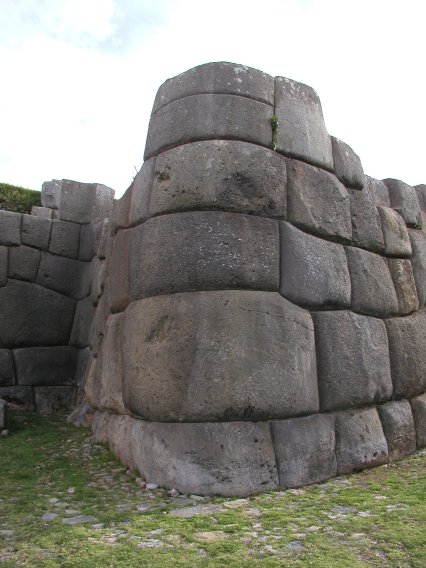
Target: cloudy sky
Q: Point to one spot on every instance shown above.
(79, 77)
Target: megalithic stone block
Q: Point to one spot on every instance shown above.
(418, 262)
(65, 275)
(85, 202)
(211, 356)
(7, 371)
(347, 165)
(367, 230)
(119, 289)
(51, 194)
(23, 263)
(36, 231)
(223, 78)
(50, 400)
(404, 199)
(220, 174)
(418, 407)
(395, 234)
(46, 366)
(3, 265)
(301, 128)
(398, 426)
(376, 191)
(405, 286)
(64, 238)
(10, 228)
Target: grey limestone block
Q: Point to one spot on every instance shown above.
(10, 228)
(222, 458)
(7, 370)
(85, 202)
(141, 193)
(64, 238)
(318, 202)
(304, 448)
(220, 355)
(32, 315)
(407, 347)
(49, 400)
(403, 278)
(204, 117)
(83, 316)
(376, 191)
(64, 275)
(395, 234)
(301, 128)
(23, 263)
(314, 272)
(3, 265)
(418, 407)
(3, 413)
(228, 175)
(360, 441)
(367, 230)
(216, 250)
(398, 427)
(44, 212)
(222, 78)
(121, 214)
(353, 360)
(36, 231)
(51, 194)
(23, 396)
(45, 366)
(404, 199)
(98, 276)
(109, 368)
(119, 289)
(418, 262)
(373, 291)
(347, 165)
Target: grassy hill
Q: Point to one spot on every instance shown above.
(18, 199)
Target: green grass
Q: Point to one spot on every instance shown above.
(45, 458)
(18, 199)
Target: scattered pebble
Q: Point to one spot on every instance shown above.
(151, 486)
(296, 546)
(211, 536)
(153, 543)
(49, 517)
(79, 519)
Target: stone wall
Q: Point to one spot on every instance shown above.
(45, 301)
(260, 302)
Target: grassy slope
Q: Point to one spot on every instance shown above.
(18, 199)
(43, 459)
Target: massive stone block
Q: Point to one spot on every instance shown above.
(65, 275)
(301, 129)
(418, 407)
(347, 165)
(23, 263)
(228, 458)
(210, 356)
(36, 231)
(421, 196)
(373, 291)
(366, 226)
(83, 316)
(376, 191)
(46, 366)
(7, 371)
(10, 228)
(121, 213)
(141, 193)
(407, 345)
(97, 328)
(220, 174)
(98, 276)
(90, 236)
(51, 194)
(223, 78)
(85, 202)
(3, 413)
(317, 202)
(205, 117)
(304, 448)
(64, 239)
(18, 395)
(353, 360)
(404, 199)
(360, 441)
(119, 289)
(217, 251)
(398, 427)
(314, 272)
(403, 278)
(3, 265)
(418, 263)
(395, 234)
(49, 400)
(32, 315)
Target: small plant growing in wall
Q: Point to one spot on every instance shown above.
(274, 126)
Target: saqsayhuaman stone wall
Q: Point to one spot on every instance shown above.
(257, 303)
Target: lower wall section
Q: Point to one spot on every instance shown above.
(243, 458)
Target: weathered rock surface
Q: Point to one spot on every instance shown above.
(204, 117)
(301, 129)
(211, 356)
(360, 441)
(83, 316)
(398, 427)
(18, 395)
(32, 315)
(85, 202)
(49, 400)
(228, 458)
(3, 413)
(3, 265)
(347, 165)
(403, 279)
(64, 238)
(10, 228)
(221, 250)
(407, 346)
(119, 289)
(353, 360)
(418, 407)
(46, 366)
(418, 263)
(366, 226)
(141, 193)
(403, 198)
(304, 448)
(43, 212)
(7, 371)
(51, 194)
(373, 291)
(64, 275)
(97, 328)
(220, 174)
(314, 272)
(23, 263)
(376, 191)
(395, 234)
(36, 231)
(317, 202)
